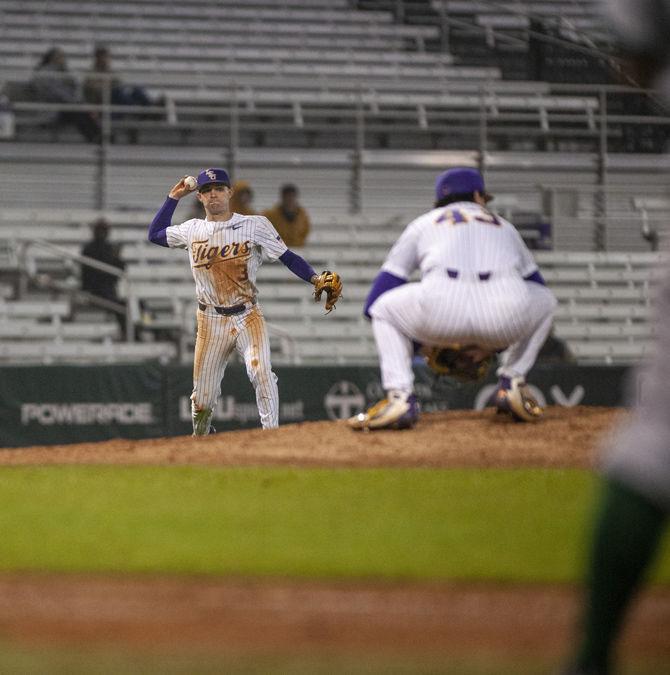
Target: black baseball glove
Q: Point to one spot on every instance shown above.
(467, 364)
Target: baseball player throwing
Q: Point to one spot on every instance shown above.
(480, 290)
(225, 251)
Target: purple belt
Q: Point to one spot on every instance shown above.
(483, 276)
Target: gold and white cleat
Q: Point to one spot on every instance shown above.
(397, 411)
(514, 398)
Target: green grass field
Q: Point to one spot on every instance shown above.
(505, 525)
(525, 525)
(50, 661)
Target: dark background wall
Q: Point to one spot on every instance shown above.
(68, 404)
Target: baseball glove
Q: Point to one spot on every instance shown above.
(329, 283)
(467, 364)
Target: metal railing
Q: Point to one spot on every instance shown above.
(476, 117)
(128, 309)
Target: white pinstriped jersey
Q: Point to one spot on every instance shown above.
(225, 256)
(464, 237)
(472, 292)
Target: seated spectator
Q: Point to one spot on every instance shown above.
(96, 282)
(120, 94)
(289, 217)
(241, 201)
(51, 83)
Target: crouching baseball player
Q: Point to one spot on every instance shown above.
(480, 293)
(225, 252)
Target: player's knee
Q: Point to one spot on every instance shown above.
(261, 376)
(552, 303)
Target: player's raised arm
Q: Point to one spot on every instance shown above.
(163, 219)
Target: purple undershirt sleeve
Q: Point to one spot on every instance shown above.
(383, 282)
(299, 266)
(536, 277)
(162, 220)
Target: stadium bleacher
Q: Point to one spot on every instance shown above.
(323, 68)
(604, 297)
(333, 75)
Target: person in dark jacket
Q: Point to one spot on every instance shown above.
(95, 281)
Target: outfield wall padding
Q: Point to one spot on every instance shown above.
(42, 405)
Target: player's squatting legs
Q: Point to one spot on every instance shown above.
(520, 357)
(397, 319)
(395, 356)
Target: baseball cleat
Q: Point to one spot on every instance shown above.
(513, 398)
(397, 411)
(202, 422)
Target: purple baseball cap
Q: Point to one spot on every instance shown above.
(460, 180)
(208, 176)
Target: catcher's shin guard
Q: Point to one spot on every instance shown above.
(514, 398)
(202, 421)
(397, 411)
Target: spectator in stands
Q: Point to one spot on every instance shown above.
(289, 217)
(119, 94)
(95, 281)
(52, 83)
(536, 48)
(243, 196)
(102, 76)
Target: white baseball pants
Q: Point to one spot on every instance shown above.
(502, 312)
(217, 337)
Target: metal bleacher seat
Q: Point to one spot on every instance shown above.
(212, 26)
(604, 302)
(569, 312)
(50, 351)
(601, 351)
(34, 330)
(39, 331)
(604, 297)
(131, 57)
(52, 310)
(510, 20)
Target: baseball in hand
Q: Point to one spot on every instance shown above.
(190, 182)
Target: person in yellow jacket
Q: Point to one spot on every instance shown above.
(241, 201)
(289, 218)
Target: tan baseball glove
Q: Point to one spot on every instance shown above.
(329, 283)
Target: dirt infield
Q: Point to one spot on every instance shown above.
(252, 614)
(567, 437)
(223, 613)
